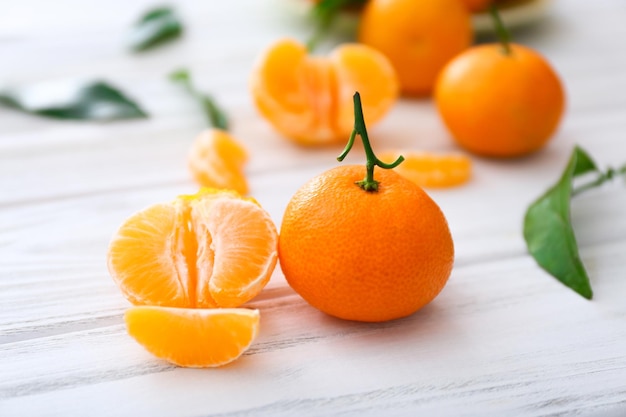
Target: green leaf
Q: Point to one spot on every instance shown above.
(324, 13)
(325, 10)
(215, 116)
(94, 100)
(548, 231)
(155, 27)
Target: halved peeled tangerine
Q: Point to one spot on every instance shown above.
(211, 249)
(309, 98)
(216, 160)
(428, 169)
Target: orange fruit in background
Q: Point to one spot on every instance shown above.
(365, 255)
(216, 160)
(428, 169)
(418, 36)
(498, 104)
(193, 337)
(309, 98)
(211, 249)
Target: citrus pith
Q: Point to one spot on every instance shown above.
(211, 249)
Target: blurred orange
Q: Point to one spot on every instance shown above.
(418, 36)
(500, 104)
(428, 169)
(216, 160)
(309, 98)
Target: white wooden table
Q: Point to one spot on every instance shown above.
(502, 339)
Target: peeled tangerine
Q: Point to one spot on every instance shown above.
(211, 249)
(181, 260)
(309, 98)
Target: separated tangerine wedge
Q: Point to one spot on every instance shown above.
(309, 98)
(211, 249)
(430, 169)
(217, 160)
(196, 338)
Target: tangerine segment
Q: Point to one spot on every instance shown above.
(237, 250)
(360, 68)
(294, 92)
(197, 338)
(210, 249)
(216, 160)
(147, 257)
(306, 98)
(431, 170)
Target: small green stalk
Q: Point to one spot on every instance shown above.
(215, 116)
(501, 30)
(368, 183)
(601, 179)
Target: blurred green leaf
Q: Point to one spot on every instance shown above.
(94, 100)
(215, 116)
(155, 27)
(324, 13)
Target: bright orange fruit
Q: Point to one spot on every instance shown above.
(362, 248)
(418, 36)
(367, 256)
(216, 160)
(193, 337)
(309, 98)
(500, 104)
(211, 249)
(430, 169)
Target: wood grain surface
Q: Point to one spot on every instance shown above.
(502, 339)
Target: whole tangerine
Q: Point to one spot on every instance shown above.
(364, 249)
(500, 100)
(418, 36)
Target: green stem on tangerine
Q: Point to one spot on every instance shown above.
(501, 30)
(368, 183)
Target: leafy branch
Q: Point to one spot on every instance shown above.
(547, 224)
